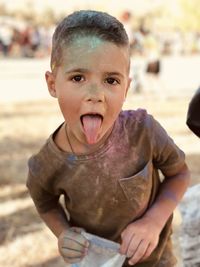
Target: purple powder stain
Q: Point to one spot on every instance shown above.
(71, 158)
(170, 195)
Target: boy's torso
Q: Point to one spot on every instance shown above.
(108, 189)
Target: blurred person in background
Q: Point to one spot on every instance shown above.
(28, 40)
(5, 38)
(193, 114)
(137, 68)
(126, 19)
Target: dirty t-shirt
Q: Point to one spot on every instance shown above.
(106, 190)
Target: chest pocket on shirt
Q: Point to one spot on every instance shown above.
(137, 188)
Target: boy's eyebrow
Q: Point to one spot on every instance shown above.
(82, 70)
(114, 73)
(76, 70)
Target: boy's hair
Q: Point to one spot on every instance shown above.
(86, 23)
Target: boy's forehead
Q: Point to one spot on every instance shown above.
(91, 42)
(82, 47)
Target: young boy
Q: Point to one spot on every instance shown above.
(103, 160)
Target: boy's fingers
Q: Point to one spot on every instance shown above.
(71, 253)
(126, 240)
(139, 252)
(72, 260)
(148, 251)
(76, 237)
(133, 246)
(73, 245)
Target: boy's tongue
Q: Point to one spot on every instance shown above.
(91, 126)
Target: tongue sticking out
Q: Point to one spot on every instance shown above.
(91, 126)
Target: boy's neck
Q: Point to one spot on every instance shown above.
(68, 143)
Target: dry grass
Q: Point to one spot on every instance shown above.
(24, 240)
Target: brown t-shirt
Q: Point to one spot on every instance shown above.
(106, 190)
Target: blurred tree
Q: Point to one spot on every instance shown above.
(190, 18)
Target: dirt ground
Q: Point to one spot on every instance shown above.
(24, 239)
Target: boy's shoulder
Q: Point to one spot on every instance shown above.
(38, 161)
(136, 117)
(46, 161)
(136, 124)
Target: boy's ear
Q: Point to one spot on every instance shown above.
(50, 80)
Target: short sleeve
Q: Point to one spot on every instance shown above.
(43, 199)
(166, 154)
(193, 114)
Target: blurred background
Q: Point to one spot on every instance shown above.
(165, 64)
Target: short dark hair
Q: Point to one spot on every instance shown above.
(86, 23)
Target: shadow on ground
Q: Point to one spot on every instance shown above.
(14, 154)
(55, 262)
(19, 223)
(22, 194)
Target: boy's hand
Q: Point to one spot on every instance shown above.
(72, 245)
(139, 239)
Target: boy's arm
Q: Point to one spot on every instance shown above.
(170, 194)
(56, 220)
(141, 237)
(72, 244)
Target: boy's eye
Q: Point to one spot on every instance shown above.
(112, 81)
(77, 78)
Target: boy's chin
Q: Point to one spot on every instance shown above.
(93, 141)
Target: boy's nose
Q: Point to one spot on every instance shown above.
(95, 94)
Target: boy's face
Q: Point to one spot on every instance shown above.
(91, 85)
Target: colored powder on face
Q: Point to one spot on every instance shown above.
(92, 42)
(77, 51)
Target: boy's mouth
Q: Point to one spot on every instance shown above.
(91, 125)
